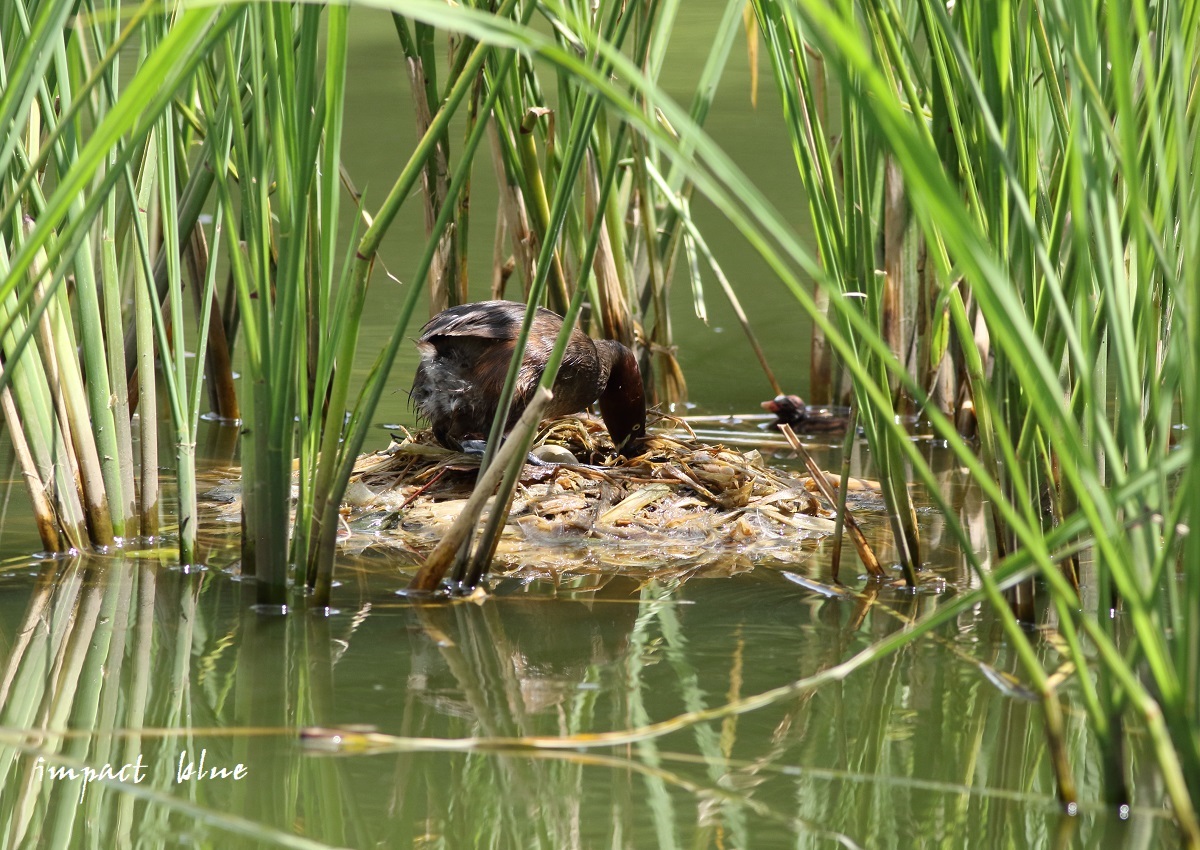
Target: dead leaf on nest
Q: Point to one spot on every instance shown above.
(680, 509)
(682, 503)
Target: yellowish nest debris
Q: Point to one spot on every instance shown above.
(680, 504)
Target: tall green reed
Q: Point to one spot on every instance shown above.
(1046, 166)
(230, 129)
(847, 190)
(1056, 198)
(61, 77)
(1035, 435)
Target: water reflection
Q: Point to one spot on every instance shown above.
(196, 705)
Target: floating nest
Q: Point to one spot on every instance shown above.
(681, 506)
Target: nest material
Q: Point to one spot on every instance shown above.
(679, 505)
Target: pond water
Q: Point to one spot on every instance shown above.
(196, 702)
(131, 662)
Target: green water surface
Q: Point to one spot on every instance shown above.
(127, 661)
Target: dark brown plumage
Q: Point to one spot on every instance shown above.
(791, 410)
(465, 352)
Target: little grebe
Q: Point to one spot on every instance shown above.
(791, 410)
(465, 352)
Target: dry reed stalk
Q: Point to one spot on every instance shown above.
(615, 315)
(66, 386)
(441, 558)
(435, 182)
(515, 215)
(218, 363)
(860, 541)
(43, 510)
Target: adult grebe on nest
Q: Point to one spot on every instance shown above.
(465, 352)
